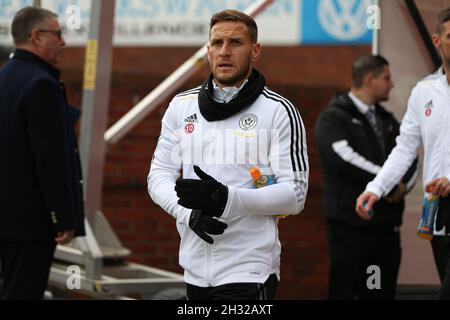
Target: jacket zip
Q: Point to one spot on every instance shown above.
(209, 246)
(208, 263)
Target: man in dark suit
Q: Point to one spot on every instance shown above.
(40, 174)
(355, 135)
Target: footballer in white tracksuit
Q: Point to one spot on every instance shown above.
(269, 134)
(427, 122)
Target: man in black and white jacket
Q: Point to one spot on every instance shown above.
(354, 136)
(215, 134)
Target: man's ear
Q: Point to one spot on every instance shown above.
(35, 36)
(256, 52)
(207, 52)
(436, 40)
(367, 79)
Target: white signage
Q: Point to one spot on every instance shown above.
(161, 22)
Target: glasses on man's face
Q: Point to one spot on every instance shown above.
(57, 33)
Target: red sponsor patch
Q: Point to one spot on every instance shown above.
(428, 112)
(189, 128)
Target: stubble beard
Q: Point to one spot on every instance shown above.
(240, 75)
(447, 62)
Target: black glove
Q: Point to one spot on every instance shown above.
(207, 194)
(201, 223)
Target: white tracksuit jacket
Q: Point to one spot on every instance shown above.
(269, 134)
(427, 122)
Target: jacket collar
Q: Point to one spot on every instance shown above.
(30, 57)
(359, 104)
(212, 110)
(442, 82)
(343, 101)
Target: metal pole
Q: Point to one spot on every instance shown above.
(96, 85)
(375, 34)
(37, 3)
(168, 86)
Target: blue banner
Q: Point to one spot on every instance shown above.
(335, 22)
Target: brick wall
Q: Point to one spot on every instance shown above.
(308, 76)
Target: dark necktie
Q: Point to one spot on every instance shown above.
(372, 117)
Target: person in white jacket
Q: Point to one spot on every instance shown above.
(427, 122)
(213, 135)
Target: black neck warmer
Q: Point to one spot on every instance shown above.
(214, 111)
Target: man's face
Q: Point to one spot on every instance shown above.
(48, 44)
(382, 84)
(442, 42)
(231, 53)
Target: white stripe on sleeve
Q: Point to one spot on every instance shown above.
(349, 155)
